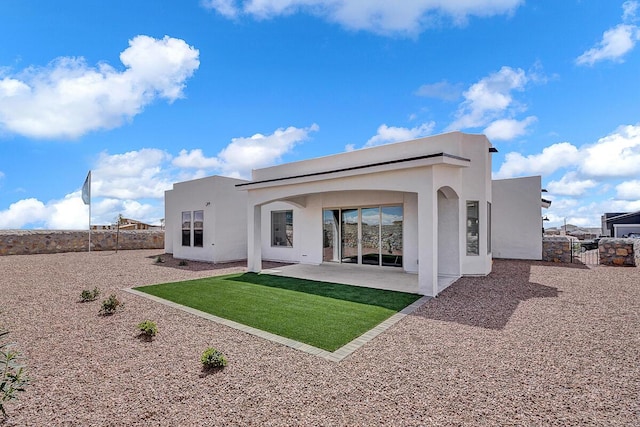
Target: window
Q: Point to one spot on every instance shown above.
(198, 228)
(473, 214)
(282, 228)
(488, 227)
(186, 228)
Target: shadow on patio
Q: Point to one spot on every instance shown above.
(487, 302)
(167, 260)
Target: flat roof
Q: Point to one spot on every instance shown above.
(621, 216)
(352, 168)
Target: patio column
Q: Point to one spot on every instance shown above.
(427, 242)
(254, 235)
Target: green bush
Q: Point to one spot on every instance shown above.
(87, 295)
(183, 263)
(148, 328)
(212, 358)
(12, 378)
(110, 305)
(159, 260)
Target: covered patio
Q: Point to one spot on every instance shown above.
(388, 278)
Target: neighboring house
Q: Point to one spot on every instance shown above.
(581, 233)
(424, 206)
(620, 224)
(127, 224)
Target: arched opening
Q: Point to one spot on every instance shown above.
(448, 236)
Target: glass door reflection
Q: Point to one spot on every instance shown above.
(331, 235)
(391, 229)
(349, 236)
(370, 241)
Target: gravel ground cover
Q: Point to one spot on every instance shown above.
(531, 344)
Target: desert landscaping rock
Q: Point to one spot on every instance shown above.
(532, 344)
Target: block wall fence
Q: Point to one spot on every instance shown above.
(619, 252)
(614, 252)
(29, 242)
(611, 251)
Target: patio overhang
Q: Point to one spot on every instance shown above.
(385, 166)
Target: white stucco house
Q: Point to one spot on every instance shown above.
(206, 220)
(425, 206)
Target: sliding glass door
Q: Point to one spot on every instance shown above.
(349, 234)
(370, 242)
(368, 235)
(331, 235)
(391, 235)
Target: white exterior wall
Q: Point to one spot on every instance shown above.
(476, 186)
(517, 218)
(281, 253)
(225, 219)
(413, 183)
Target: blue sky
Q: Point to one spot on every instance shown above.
(146, 94)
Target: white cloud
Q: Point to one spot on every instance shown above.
(118, 183)
(615, 155)
(69, 213)
(69, 98)
(629, 11)
(507, 129)
(133, 183)
(621, 206)
(592, 170)
(132, 175)
(576, 212)
(379, 16)
(226, 8)
(490, 99)
(617, 41)
(629, 190)
(21, 213)
(388, 134)
(244, 154)
(552, 158)
(441, 90)
(571, 185)
(196, 159)
(106, 211)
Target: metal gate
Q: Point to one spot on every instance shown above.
(585, 254)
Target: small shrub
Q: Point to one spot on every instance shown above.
(212, 358)
(183, 263)
(88, 295)
(148, 328)
(12, 378)
(159, 260)
(110, 305)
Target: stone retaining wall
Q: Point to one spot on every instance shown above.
(27, 242)
(611, 251)
(619, 252)
(557, 248)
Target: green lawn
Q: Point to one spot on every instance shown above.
(324, 315)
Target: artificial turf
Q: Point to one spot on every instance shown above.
(321, 314)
